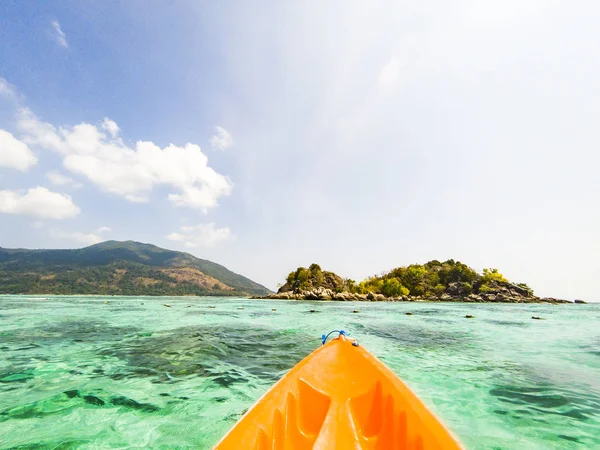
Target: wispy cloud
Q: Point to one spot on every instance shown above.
(202, 235)
(59, 179)
(222, 140)
(388, 77)
(91, 238)
(59, 35)
(6, 89)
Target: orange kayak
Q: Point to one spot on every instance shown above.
(339, 397)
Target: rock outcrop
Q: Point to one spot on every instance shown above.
(318, 294)
(499, 293)
(488, 297)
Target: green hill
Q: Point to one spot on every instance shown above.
(119, 268)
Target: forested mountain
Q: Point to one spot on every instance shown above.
(119, 268)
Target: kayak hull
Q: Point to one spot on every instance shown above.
(339, 396)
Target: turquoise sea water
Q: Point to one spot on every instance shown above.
(78, 373)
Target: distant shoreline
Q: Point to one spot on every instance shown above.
(300, 298)
(125, 295)
(409, 299)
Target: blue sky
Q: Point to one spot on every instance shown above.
(263, 136)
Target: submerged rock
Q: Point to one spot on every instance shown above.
(93, 400)
(191, 351)
(72, 393)
(17, 377)
(132, 404)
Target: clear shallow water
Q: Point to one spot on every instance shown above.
(78, 373)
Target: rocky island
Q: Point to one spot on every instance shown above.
(449, 281)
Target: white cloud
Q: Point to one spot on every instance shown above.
(388, 77)
(137, 198)
(38, 202)
(6, 88)
(222, 140)
(202, 235)
(39, 133)
(86, 238)
(14, 153)
(110, 126)
(59, 179)
(58, 34)
(91, 238)
(130, 172)
(489, 13)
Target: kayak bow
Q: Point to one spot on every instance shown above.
(339, 396)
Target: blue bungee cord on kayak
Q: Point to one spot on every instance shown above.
(341, 332)
(325, 336)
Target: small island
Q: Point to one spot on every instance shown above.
(448, 281)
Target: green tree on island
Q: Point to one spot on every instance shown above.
(433, 279)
